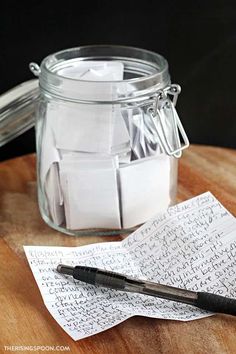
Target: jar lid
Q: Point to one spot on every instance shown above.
(17, 107)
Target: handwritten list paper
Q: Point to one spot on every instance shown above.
(191, 245)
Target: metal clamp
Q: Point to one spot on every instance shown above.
(164, 116)
(173, 91)
(35, 68)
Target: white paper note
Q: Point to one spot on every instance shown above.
(89, 127)
(49, 152)
(90, 192)
(80, 127)
(94, 70)
(120, 135)
(49, 178)
(54, 195)
(191, 245)
(144, 186)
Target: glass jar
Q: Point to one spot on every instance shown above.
(108, 139)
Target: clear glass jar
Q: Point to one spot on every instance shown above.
(108, 139)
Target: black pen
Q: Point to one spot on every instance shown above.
(203, 300)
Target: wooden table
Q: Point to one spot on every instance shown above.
(24, 318)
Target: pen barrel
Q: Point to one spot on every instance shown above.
(110, 280)
(168, 292)
(99, 277)
(85, 274)
(216, 303)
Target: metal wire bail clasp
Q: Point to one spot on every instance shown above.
(168, 126)
(35, 69)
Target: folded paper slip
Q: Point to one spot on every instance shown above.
(90, 193)
(191, 245)
(144, 188)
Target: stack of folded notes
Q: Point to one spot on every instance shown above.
(101, 162)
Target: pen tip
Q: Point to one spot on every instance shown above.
(65, 269)
(59, 268)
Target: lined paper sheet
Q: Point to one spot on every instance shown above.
(192, 245)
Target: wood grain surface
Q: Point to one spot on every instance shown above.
(24, 320)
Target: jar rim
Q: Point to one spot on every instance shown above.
(51, 59)
(150, 67)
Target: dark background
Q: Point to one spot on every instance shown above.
(198, 38)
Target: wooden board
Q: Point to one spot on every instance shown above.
(24, 318)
